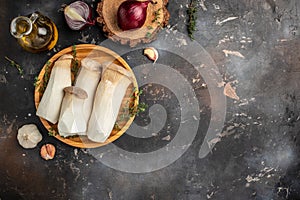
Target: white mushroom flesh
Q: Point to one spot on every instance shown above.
(60, 77)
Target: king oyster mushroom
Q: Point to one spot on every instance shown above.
(108, 98)
(29, 136)
(71, 120)
(88, 79)
(60, 77)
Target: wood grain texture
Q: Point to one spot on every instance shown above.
(101, 55)
(107, 10)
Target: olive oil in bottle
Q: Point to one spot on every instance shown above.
(35, 33)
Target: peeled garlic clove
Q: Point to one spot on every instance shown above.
(151, 53)
(29, 136)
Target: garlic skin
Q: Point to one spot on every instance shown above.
(29, 136)
(151, 53)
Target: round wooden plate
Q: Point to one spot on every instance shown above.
(157, 17)
(100, 54)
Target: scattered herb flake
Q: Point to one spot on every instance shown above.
(117, 126)
(149, 27)
(36, 82)
(148, 35)
(46, 77)
(52, 132)
(14, 64)
(74, 63)
(141, 107)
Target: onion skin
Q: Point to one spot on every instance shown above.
(132, 14)
(81, 9)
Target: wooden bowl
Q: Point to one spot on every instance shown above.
(157, 18)
(100, 54)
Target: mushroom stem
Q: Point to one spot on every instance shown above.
(108, 98)
(71, 121)
(50, 104)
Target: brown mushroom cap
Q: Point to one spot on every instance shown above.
(77, 91)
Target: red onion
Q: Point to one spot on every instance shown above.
(78, 15)
(132, 14)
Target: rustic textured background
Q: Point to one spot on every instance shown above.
(257, 156)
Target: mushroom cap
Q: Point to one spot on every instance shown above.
(76, 91)
(91, 65)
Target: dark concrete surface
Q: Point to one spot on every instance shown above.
(255, 156)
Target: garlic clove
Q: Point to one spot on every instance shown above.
(29, 136)
(151, 53)
(48, 151)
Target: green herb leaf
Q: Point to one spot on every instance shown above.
(36, 82)
(52, 132)
(192, 14)
(46, 77)
(14, 64)
(141, 107)
(148, 35)
(75, 62)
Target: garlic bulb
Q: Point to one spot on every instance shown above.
(29, 136)
(60, 77)
(108, 98)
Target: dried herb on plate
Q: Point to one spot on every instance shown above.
(141, 107)
(46, 78)
(74, 64)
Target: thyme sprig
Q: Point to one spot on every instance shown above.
(156, 15)
(16, 65)
(52, 132)
(75, 62)
(192, 18)
(141, 107)
(46, 78)
(36, 82)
